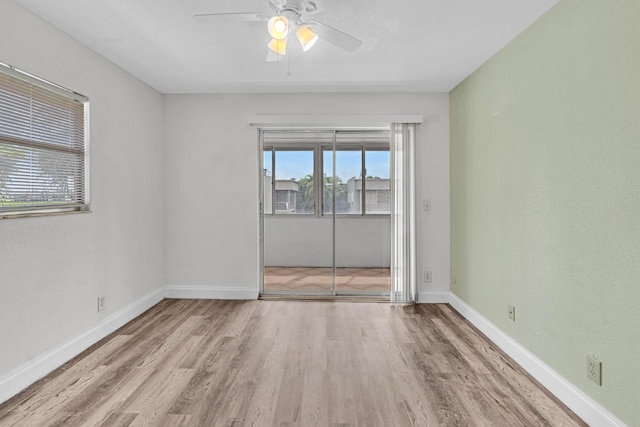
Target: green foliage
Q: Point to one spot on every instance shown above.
(305, 199)
(53, 180)
(10, 157)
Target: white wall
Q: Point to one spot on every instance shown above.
(212, 181)
(53, 268)
(308, 242)
(182, 213)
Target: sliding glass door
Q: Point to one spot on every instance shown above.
(326, 213)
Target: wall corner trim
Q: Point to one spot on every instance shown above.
(23, 376)
(579, 402)
(210, 292)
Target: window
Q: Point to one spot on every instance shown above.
(292, 190)
(378, 191)
(351, 193)
(304, 161)
(43, 138)
(347, 181)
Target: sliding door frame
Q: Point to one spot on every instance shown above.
(319, 208)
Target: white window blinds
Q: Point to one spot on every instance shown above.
(43, 143)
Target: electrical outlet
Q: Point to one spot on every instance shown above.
(427, 276)
(594, 370)
(101, 303)
(512, 313)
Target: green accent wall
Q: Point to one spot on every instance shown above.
(545, 194)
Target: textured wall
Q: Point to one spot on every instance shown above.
(545, 176)
(52, 269)
(212, 182)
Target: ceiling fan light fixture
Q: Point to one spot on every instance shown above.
(306, 37)
(278, 46)
(278, 27)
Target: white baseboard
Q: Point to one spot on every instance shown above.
(210, 292)
(23, 376)
(431, 297)
(579, 402)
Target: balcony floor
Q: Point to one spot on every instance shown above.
(320, 279)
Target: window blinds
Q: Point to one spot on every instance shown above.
(43, 133)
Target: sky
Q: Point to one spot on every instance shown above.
(298, 164)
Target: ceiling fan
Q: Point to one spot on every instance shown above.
(287, 17)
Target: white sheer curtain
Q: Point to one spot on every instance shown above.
(403, 214)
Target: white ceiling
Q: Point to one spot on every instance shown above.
(407, 45)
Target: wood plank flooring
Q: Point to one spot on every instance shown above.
(289, 363)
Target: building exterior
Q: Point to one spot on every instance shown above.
(377, 194)
(286, 195)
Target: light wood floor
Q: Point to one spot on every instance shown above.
(285, 363)
(352, 280)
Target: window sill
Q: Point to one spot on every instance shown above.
(43, 212)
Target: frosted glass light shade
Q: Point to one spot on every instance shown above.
(278, 27)
(278, 46)
(306, 37)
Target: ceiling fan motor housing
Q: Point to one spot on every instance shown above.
(297, 7)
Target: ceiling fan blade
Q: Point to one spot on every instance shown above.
(335, 36)
(277, 4)
(231, 17)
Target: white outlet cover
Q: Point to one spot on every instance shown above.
(594, 370)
